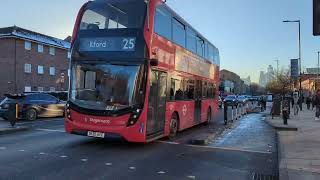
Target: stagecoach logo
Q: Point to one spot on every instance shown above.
(96, 121)
(184, 110)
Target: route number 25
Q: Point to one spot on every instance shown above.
(129, 43)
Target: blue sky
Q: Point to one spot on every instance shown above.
(249, 33)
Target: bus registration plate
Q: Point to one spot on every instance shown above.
(96, 134)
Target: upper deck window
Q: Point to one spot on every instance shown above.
(178, 33)
(200, 47)
(113, 15)
(163, 22)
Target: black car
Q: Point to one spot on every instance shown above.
(34, 105)
(231, 100)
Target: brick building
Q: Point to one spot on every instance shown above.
(238, 86)
(30, 61)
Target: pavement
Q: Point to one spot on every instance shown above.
(299, 146)
(45, 151)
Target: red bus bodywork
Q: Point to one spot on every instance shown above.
(167, 54)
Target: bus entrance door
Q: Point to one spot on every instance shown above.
(157, 104)
(197, 103)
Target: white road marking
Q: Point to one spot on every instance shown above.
(229, 149)
(161, 172)
(51, 130)
(108, 164)
(168, 142)
(191, 177)
(132, 168)
(3, 148)
(84, 160)
(42, 153)
(63, 156)
(21, 150)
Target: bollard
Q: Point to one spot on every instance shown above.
(232, 113)
(13, 113)
(225, 110)
(236, 111)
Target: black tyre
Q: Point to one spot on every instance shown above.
(31, 114)
(174, 125)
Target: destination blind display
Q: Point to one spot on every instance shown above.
(108, 44)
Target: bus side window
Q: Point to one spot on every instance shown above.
(162, 25)
(204, 90)
(176, 90)
(190, 90)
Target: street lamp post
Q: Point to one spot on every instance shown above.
(317, 82)
(300, 61)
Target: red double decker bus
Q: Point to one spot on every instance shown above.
(139, 71)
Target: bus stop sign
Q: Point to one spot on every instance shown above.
(316, 17)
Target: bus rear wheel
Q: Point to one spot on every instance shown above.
(174, 125)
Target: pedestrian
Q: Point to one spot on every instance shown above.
(308, 102)
(295, 102)
(317, 104)
(313, 101)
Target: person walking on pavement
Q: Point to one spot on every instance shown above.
(313, 101)
(296, 102)
(317, 104)
(308, 102)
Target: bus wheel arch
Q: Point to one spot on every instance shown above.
(174, 124)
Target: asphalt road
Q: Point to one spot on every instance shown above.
(46, 152)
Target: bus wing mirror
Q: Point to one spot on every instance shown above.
(154, 62)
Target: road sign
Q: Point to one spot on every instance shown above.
(294, 68)
(316, 17)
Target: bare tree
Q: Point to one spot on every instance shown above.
(281, 84)
(256, 89)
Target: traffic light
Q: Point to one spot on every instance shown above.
(316, 17)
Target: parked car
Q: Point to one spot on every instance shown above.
(33, 105)
(231, 100)
(242, 99)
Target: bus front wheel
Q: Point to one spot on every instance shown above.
(174, 125)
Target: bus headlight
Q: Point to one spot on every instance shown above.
(68, 113)
(134, 117)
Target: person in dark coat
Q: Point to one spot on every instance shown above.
(308, 102)
(317, 104)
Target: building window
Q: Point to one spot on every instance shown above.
(52, 51)
(163, 22)
(40, 70)
(27, 89)
(52, 89)
(40, 48)
(52, 71)
(27, 68)
(27, 45)
(40, 89)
